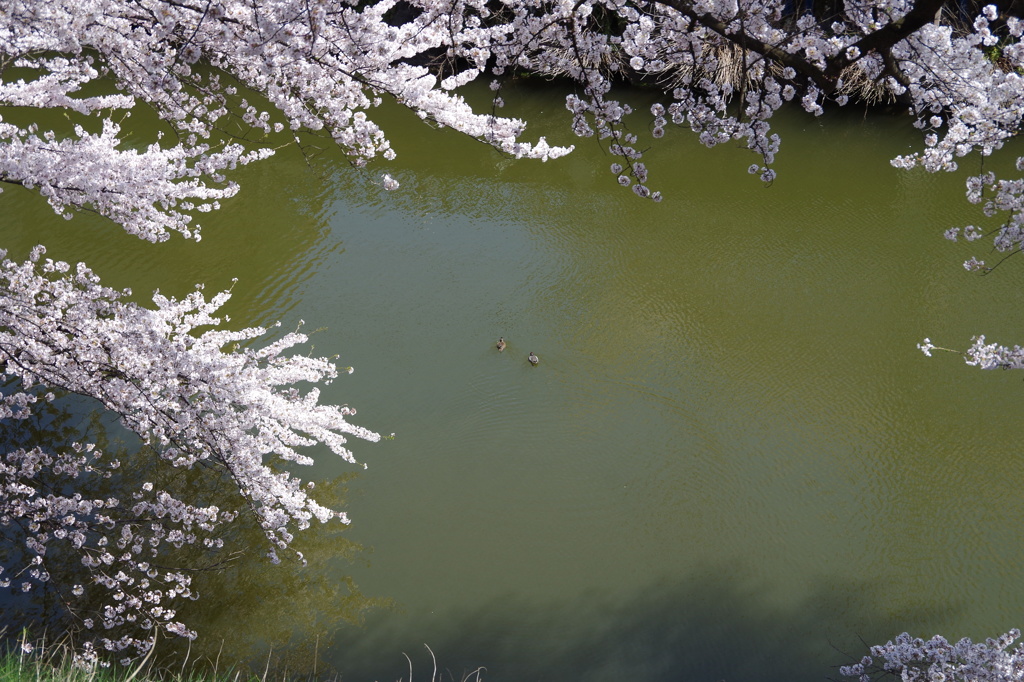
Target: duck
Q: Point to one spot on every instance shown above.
(501, 343)
(534, 360)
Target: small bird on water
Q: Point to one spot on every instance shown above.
(534, 360)
(501, 343)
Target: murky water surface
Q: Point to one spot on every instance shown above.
(732, 463)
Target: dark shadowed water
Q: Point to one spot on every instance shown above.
(732, 463)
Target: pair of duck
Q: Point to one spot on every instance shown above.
(534, 360)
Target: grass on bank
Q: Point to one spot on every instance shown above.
(57, 664)
(25, 662)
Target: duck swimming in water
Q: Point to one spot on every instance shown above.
(501, 343)
(534, 360)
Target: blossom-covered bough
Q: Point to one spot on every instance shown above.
(913, 659)
(212, 400)
(198, 399)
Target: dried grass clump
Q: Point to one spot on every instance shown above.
(857, 85)
(723, 65)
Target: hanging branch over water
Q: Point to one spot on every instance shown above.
(215, 400)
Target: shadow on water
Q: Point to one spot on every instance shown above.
(699, 630)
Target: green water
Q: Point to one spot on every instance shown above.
(732, 462)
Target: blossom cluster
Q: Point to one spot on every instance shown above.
(215, 401)
(913, 659)
(707, 55)
(324, 66)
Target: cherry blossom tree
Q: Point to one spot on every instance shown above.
(225, 76)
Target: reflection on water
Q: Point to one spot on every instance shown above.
(731, 463)
(252, 611)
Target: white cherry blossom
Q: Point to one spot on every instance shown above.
(223, 402)
(913, 659)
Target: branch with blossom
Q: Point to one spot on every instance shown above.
(215, 399)
(913, 659)
(983, 355)
(326, 66)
